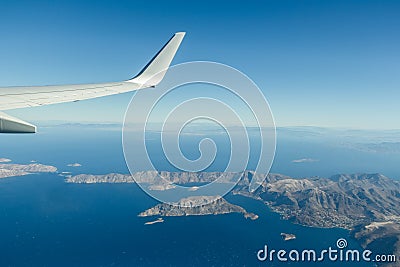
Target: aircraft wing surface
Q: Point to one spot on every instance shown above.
(32, 96)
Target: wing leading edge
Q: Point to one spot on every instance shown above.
(22, 97)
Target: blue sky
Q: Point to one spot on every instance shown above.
(320, 63)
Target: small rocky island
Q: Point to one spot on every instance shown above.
(181, 208)
(159, 220)
(288, 237)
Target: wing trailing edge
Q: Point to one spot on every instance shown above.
(9, 124)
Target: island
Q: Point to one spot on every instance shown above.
(12, 169)
(288, 237)
(181, 208)
(159, 220)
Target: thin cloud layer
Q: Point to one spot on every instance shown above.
(304, 160)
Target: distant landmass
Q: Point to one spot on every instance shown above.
(12, 170)
(104, 178)
(156, 177)
(380, 147)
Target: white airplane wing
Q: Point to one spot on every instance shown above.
(22, 97)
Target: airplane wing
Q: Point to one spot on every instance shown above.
(22, 97)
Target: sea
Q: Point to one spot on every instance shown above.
(47, 222)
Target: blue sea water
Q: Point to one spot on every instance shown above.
(47, 222)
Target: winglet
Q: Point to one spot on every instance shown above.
(154, 71)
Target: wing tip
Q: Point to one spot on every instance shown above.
(155, 70)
